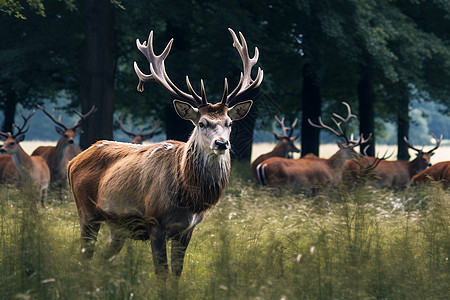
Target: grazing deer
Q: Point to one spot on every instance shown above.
(57, 157)
(139, 138)
(161, 191)
(32, 169)
(398, 173)
(437, 172)
(310, 172)
(284, 145)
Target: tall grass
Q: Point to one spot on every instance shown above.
(344, 243)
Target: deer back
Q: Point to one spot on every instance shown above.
(439, 171)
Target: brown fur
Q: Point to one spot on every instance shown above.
(437, 172)
(32, 169)
(156, 192)
(281, 149)
(303, 173)
(392, 173)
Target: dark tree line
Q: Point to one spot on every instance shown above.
(376, 55)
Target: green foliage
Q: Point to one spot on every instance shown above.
(349, 242)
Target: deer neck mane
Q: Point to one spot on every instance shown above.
(204, 175)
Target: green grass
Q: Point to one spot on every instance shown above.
(257, 243)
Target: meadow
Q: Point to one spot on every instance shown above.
(347, 242)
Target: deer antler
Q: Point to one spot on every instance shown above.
(341, 130)
(438, 143)
(246, 83)
(82, 117)
(159, 74)
(285, 128)
(21, 129)
(52, 117)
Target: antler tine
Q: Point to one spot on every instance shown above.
(159, 74)
(323, 126)
(123, 129)
(52, 117)
(21, 129)
(150, 134)
(438, 142)
(283, 127)
(408, 143)
(246, 83)
(82, 117)
(5, 135)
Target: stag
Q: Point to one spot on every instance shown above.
(285, 144)
(162, 191)
(32, 169)
(57, 157)
(437, 172)
(139, 138)
(310, 172)
(398, 173)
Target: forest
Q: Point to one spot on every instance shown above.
(380, 56)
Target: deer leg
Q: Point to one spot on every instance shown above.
(115, 243)
(89, 231)
(179, 246)
(159, 252)
(43, 196)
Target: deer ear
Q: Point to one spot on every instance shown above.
(277, 136)
(185, 110)
(59, 130)
(240, 110)
(20, 138)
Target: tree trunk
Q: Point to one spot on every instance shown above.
(402, 125)
(177, 128)
(366, 111)
(97, 71)
(9, 111)
(311, 109)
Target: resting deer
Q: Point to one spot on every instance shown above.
(57, 157)
(398, 173)
(310, 172)
(32, 169)
(285, 144)
(437, 172)
(161, 191)
(139, 138)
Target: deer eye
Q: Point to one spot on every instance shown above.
(201, 125)
(11, 143)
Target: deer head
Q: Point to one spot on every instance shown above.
(341, 132)
(287, 137)
(68, 134)
(423, 158)
(212, 121)
(139, 138)
(11, 144)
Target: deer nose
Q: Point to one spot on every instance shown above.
(221, 145)
(70, 141)
(2, 151)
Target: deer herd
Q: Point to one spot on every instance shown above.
(160, 192)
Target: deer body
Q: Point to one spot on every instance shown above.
(303, 173)
(57, 157)
(285, 144)
(310, 172)
(162, 191)
(437, 172)
(30, 169)
(397, 173)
